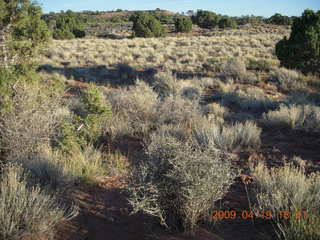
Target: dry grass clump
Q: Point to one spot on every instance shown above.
(289, 189)
(239, 136)
(84, 165)
(25, 210)
(306, 117)
(178, 182)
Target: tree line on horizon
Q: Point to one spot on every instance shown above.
(69, 24)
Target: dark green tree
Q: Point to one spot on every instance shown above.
(279, 19)
(206, 19)
(302, 49)
(183, 24)
(22, 35)
(145, 25)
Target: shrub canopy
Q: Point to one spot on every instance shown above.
(183, 24)
(145, 25)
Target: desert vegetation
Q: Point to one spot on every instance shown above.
(149, 134)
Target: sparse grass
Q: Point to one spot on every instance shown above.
(290, 190)
(186, 54)
(27, 211)
(306, 117)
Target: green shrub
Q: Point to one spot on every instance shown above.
(26, 210)
(86, 127)
(302, 49)
(279, 19)
(227, 22)
(290, 190)
(63, 34)
(145, 25)
(183, 25)
(178, 181)
(67, 26)
(206, 19)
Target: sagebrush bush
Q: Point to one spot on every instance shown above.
(27, 211)
(306, 117)
(239, 136)
(179, 111)
(235, 68)
(178, 181)
(166, 84)
(289, 189)
(31, 122)
(287, 79)
(215, 112)
(136, 106)
(302, 49)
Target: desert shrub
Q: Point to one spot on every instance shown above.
(27, 211)
(63, 34)
(287, 79)
(249, 19)
(178, 181)
(85, 128)
(306, 117)
(279, 19)
(166, 84)
(191, 93)
(179, 111)
(239, 136)
(234, 68)
(227, 22)
(213, 65)
(206, 19)
(259, 65)
(302, 49)
(215, 112)
(183, 24)
(145, 25)
(136, 107)
(290, 190)
(67, 26)
(31, 122)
